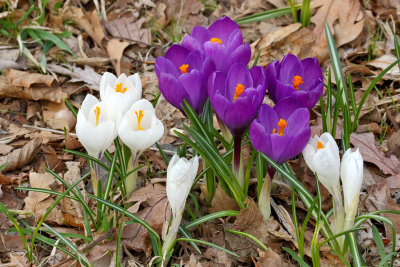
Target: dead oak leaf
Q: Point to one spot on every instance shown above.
(115, 49)
(58, 116)
(21, 156)
(87, 75)
(155, 212)
(128, 29)
(27, 79)
(370, 153)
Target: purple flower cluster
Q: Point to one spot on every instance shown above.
(213, 63)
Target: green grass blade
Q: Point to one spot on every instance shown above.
(266, 15)
(258, 242)
(186, 234)
(54, 39)
(208, 244)
(379, 243)
(396, 48)
(212, 216)
(296, 257)
(305, 15)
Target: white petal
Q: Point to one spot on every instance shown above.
(107, 79)
(308, 154)
(327, 169)
(142, 104)
(137, 84)
(88, 103)
(351, 175)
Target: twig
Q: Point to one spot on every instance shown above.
(47, 129)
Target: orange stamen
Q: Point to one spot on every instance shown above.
(97, 113)
(320, 145)
(274, 130)
(216, 40)
(139, 117)
(297, 80)
(118, 88)
(184, 68)
(239, 89)
(282, 125)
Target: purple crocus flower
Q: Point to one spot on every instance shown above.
(236, 97)
(183, 74)
(222, 42)
(292, 77)
(281, 132)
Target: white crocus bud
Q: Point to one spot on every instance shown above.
(352, 176)
(120, 93)
(94, 129)
(322, 156)
(180, 176)
(139, 129)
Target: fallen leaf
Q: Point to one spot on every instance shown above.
(370, 153)
(394, 143)
(5, 149)
(222, 201)
(21, 156)
(27, 79)
(271, 258)
(54, 93)
(58, 116)
(87, 75)
(128, 29)
(115, 49)
(155, 213)
(393, 182)
(383, 62)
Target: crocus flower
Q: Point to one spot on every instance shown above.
(222, 42)
(140, 128)
(119, 93)
(292, 77)
(352, 176)
(236, 97)
(183, 74)
(180, 176)
(94, 128)
(281, 132)
(322, 156)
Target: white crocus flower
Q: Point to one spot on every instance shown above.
(94, 129)
(352, 176)
(120, 93)
(322, 156)
(138, 130)
(180, 176)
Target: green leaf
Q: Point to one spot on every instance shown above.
(258, 242)
(207, 244)
(266, 15)
(54, 39)
(305, 14)
(379, 243)
(211, 216)
(296, 257)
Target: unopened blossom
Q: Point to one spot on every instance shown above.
(237, 96)
(281, 132)
(182, 75)
(120, 93)
(301, 79)
(222, 42)
(94, 128)
(322, 156)
(352, 176)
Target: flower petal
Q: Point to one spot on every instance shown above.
(107, 79)
(222, 28)
(238, 74)
(290, 66)
(172, 90)
(177, 55)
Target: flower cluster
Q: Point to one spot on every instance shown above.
(121, 112)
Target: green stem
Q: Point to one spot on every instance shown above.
(169, 241)
(130, 180)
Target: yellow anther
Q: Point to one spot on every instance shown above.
(297, 80)
(97, 113)
(320, 145)
(216, 40)
(239, 89)
(282, 125)
(184, 68)
(119, 89)
(139, 117)
(274, 130)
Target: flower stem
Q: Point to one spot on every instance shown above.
(264, 203)
(94, 175)
(237, 163)
(338, 213)
(171, 236)
(130, 180)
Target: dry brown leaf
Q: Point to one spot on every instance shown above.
(179, 10)
(21, 156)
(370, 153)
(58, 116)
(383, 62)
(155, 213)
(87, 75)
(222, 201)
(393, 182)
(54, 93)
(128, 29)
(5, 149)
(115, 49)
(394, 143)
(38, 203)
(271, 258)
(27, 79)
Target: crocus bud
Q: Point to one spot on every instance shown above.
(322, 156)
(180, 176)
(119, 93)
(140, 127)
(352, 176)
(94, 129)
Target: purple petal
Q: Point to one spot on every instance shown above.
(216, 52)
(308, 99)
(298, 120)
(290, 66)
(191, 43)
(177, 54)
(238, 74)
(259, 76)
(219, 104)
(312, 70)
(268, 118)
(283, 90)
(216, 83)
(272, 76)
(297, 144)
(193, 85)
(208, 68)
(240, 114)
(242, 54)
(260, 139)
(201, 34)
(222, 28)
(279, 145)
(194, 60)
(164, 65)
(172, 90)
(285, 108)
(235, 40)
